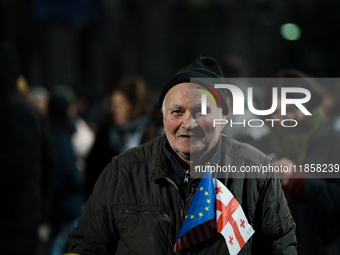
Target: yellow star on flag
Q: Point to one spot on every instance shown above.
(192, 216)
(206, 193)
(200, 214)
(186, 216)
(206, 208)
(201, 188)
(208, 201)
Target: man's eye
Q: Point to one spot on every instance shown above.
(176, 112)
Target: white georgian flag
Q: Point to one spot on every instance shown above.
(230, 219)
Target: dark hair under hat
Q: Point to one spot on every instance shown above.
(204, 67)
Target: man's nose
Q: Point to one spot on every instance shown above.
(189, 122)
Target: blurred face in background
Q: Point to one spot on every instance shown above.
(40, 103)
(292, 112)
(121, 108)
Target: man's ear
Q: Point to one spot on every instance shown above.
(164, 120)
(163, 125)
(222, 126)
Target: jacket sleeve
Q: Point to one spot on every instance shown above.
(95, 232)
(273, 220)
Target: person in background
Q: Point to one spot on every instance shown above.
(68, 195)
(126, 125)
(39, 98)
(313, 200)
(83, 136)
(331, 103)
(20, 162)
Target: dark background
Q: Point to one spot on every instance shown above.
(90, 44)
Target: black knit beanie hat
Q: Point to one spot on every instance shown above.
(204, 67)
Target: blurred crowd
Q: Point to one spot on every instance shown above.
(51, 156)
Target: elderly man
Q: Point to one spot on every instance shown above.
(141, 199)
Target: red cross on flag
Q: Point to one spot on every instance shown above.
(214, 205)
(231, 221)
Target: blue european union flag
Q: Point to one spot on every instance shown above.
(202, 207)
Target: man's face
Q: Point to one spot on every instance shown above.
(187, 130)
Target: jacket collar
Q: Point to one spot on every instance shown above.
(162, 169)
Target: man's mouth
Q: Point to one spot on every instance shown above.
(188, 136)
(185, 136)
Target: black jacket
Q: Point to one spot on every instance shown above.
(136, 207)
(20, 172)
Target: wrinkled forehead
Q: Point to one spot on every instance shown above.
(178, 92)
